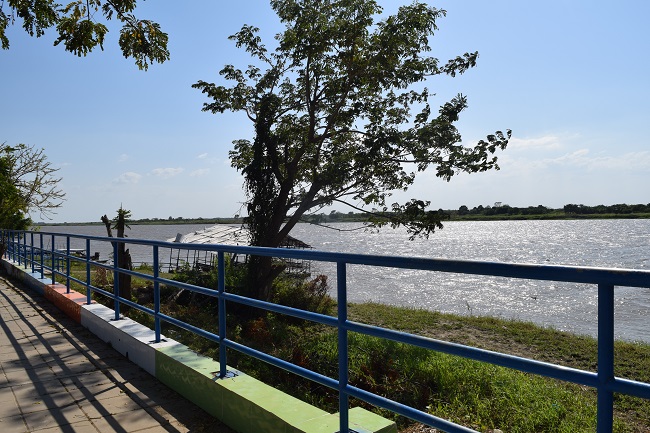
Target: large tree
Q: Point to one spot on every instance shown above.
(341, 116)
(13, 205)
(80, 29)
(33, 178)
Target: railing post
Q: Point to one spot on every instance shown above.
(31, 248)
(10, 245)
(116, 282)
(13, 246)
(67, 264)
(605, 417)
(54, 260)
(156, 293)
(88, 282)
(21, 254)
(42, 258)
(221, 302)
(342, 313)
(25, 257)
(24, 249)
(17, 248)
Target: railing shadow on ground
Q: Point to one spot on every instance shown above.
(51, 372)
(23, 248)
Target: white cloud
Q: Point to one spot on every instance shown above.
(546, 142)
(577, 161)
(166, 173)
(200, 172)
(631, 161)
(128, 177)
(208, 159)
(123, 157)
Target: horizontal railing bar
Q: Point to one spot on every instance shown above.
(282, 309)
(407, 411)
(188, 327)
(522, 364)
(136, 305)
(76, 280)
(307, 315)
(181, 285)
(300, 371)
(572, 274)
(104, 292)
(631, 387)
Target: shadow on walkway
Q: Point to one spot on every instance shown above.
(56, 376)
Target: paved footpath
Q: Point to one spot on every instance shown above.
(56, 376)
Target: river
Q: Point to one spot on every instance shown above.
(565, 306)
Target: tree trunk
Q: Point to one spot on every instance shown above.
(123, 256)
(261, 275)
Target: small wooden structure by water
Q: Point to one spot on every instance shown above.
(226, 235)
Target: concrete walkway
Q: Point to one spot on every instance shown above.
(55, 376)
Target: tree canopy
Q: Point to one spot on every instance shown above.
(12, 205)
(333, 105)
(341, 115)
(28, 184)
(79, 30)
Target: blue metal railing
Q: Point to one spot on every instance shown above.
(32, 254)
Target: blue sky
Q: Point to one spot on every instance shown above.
(570, 78)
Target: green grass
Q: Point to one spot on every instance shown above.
(475, 394)
(632, 360)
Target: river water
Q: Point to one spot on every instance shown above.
(566, 306)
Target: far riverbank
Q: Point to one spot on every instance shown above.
(362, 218)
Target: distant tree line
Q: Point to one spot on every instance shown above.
(567, 211)
(580, 209)
(499, 209)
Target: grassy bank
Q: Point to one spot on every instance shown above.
(477, 395)
(548, 399)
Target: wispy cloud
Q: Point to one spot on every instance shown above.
(128, 177)
(580, 160)
(166, 173)
(208, 159)
(200, 172)
(546, 142)
(123, 157)
(631, 161)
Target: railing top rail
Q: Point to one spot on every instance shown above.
(572, 274)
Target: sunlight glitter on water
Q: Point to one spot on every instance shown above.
(565, 306)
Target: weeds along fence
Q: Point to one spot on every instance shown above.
(26, 248)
